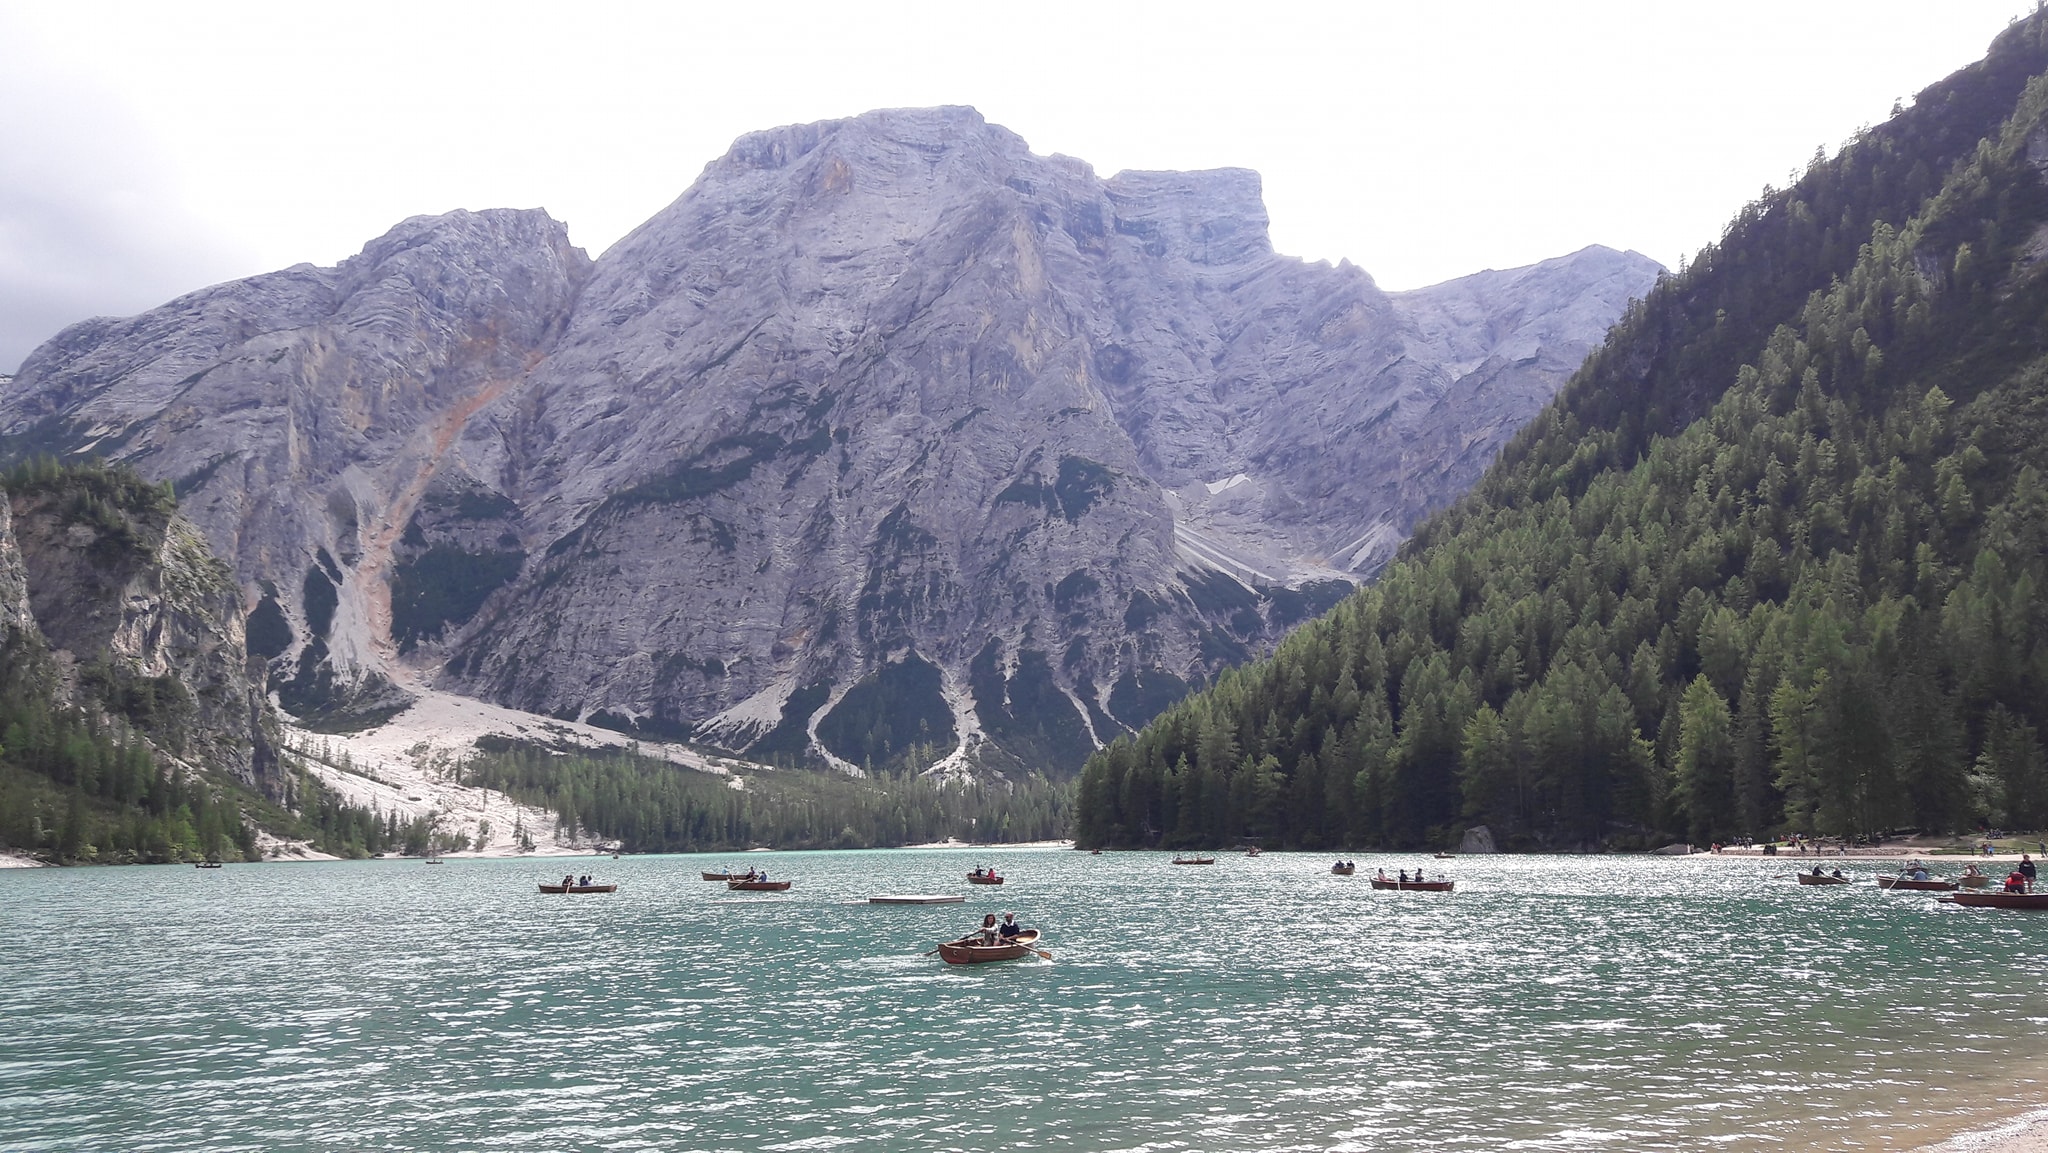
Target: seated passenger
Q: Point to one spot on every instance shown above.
(1009, 928)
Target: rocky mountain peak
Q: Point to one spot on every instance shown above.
(888, 442)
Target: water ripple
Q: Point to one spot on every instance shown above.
(1552, 1003)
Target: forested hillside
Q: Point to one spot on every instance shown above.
(650, 806)
(1773, 561)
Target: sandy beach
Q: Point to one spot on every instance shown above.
(2026, 1133)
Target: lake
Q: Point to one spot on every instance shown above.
(1256, 1004)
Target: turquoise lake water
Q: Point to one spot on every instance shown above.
(1257, 1004)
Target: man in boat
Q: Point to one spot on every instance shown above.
(1009, 928)
(567, 881)
(2027, 870)
(1404, 876)
(1837, 874)
(1817, 872)
(2015, 882)
(1920, 872)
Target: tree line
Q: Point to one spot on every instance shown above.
(645, 804)
(1816, 607)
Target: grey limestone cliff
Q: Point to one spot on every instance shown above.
(144, 623)
(889, 441)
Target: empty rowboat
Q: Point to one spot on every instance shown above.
(758, 886)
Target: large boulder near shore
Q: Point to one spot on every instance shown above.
(1478, 839)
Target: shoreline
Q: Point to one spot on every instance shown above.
(2021, 1133)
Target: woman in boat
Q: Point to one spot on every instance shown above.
(989, 932)
(2015, 882)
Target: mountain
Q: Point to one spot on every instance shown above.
(126, 706)
(889, 442)
(1773, 561)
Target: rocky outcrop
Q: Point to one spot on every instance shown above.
(15, 617)
(888, 442)
(144, 622)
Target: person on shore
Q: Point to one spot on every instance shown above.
(1009, 928)
(2027, 870)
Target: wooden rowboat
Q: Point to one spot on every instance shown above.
(967, 950)
(726, 876)
(1343, 870)
(1916, 886)
(1194, 860)
(983, 879)
(1417, 886)
(579, 888)
(1820, 879)
(1970, 881)
(758, 886)
(2002, 900)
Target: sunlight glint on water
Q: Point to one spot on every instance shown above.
(1258, 1004)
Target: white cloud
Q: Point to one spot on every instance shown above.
(172, 145)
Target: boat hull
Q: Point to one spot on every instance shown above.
(974, 880)
(1916, 886)
(962, 952)
(1343, 870)
(2036, 901)
(759, 886)
(1194, 860)
(579, 888)
(1810, 879)
(1416, 886)
(1975, 882)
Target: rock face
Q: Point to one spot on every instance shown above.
(144, 623)
(888, 442)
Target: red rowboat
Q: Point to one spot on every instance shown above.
(1417, 886)
(2002, 900)
(1916, 886)
(983, 879)
(579, 888)
(969, 951)
(1821, 879)
(758, 886)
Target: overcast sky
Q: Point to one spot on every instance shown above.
(150, 149)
